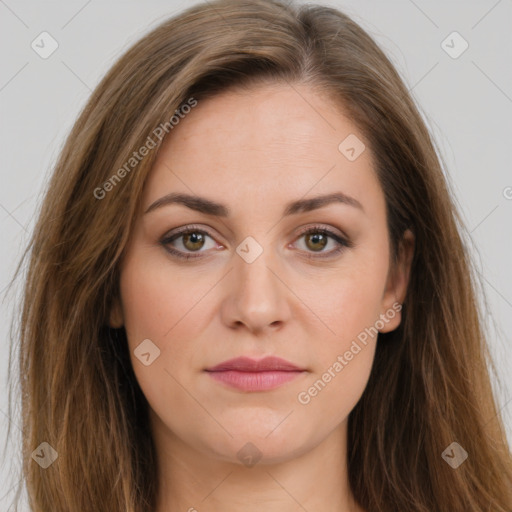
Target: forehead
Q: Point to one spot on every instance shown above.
(273, 143)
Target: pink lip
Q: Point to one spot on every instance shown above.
(248, 374)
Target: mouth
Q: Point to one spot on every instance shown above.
(251, 375)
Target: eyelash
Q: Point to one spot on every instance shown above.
(343, 243)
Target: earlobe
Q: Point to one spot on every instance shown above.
(403, 271)
(116, 315)
(398, 280)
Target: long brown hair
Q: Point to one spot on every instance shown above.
(430, 384)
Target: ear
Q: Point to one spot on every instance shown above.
(396, 285)
(116, 314)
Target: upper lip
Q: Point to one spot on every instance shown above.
(246, 364)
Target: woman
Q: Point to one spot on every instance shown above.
(247, 287)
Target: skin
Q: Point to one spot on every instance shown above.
(255, 152)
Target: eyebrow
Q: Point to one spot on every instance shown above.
(209, 207)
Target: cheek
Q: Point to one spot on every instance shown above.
(154, 310)
(349, 308)
(158, 303)
(349, 301)
(165, 309)
(333, 392)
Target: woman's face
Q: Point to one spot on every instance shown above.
(254, 172)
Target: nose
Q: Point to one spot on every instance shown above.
(256, 296)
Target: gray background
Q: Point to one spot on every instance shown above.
(466, 102)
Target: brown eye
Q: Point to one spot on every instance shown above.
(185, 243)
(316, 241)
(193, 241)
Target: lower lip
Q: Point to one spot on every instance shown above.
(255, 381)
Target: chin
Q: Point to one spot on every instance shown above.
(250, 447)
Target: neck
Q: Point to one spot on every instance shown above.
(194, 481)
